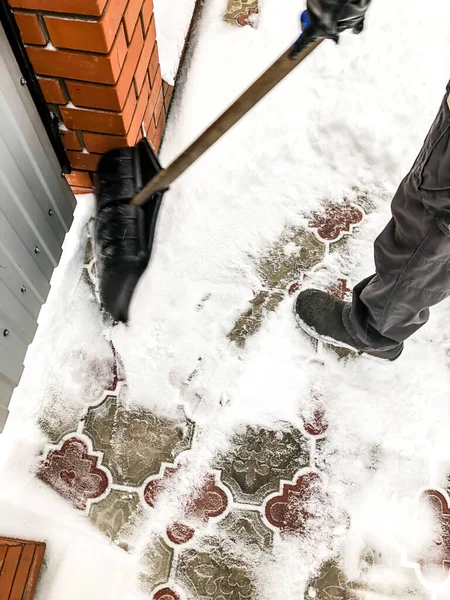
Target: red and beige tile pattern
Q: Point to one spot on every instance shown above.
(120, 464)
(241, 12)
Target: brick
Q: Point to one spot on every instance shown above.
(150, 43)
(150, 128)
(79, 178)
(70, 140)
(152, 103)
(52, 90)
(78, 191)
(110, 98)
(167, 98)
(30, 29)
(89, 36)
(159, 106)
(131, 16)
(147, 13)
(85, 7)
(157, 137)
(80, 65)
(167, 101)
(102, 143)
(138, 116)
(153, 65)
(101, 121)
(83, 161)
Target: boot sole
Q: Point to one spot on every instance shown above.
(332, 342)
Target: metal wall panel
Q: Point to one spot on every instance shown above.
(36, 206)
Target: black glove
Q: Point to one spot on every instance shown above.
(329, 18)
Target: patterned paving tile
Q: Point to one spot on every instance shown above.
(364, 200)
(331, 584)
(296, 505)
(259, 458)
(267, 469)
(75, 472)
(316, 424)
(363, 204)
(297, 251)
(156, 563)
(208, 501)
(113, 513)
(215, 574)
(86, 373)
(248, 528)
(135, 442)
(251, 320)
(340, 289)
(340, 247)
(335, 220)
(56, 423)
(378, 576)
(166, 594)
(241, 12)
(435, 562)
(326, 455)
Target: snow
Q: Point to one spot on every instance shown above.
(80, 562)
(173, 18)
(352, 116)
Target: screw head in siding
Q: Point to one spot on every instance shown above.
(50, 212)
(36, 250)
(5, 332)
(23, 289)
(23, 81)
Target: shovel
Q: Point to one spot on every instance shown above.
(130, 185)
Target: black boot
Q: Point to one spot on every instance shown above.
(320, 316)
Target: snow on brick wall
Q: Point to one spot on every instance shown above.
(173, 18)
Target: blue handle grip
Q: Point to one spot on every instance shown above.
(305, 20)
(308, 35)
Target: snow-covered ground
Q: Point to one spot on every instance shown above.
(352, 117)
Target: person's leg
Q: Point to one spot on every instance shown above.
(412, 254)
(412, 257)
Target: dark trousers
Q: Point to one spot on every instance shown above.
(412, 254)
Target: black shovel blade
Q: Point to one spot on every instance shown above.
(124, 234)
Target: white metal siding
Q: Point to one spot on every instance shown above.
(36, 206)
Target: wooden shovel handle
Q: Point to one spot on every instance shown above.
(276, 73)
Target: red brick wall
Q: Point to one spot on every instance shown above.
(98, 66)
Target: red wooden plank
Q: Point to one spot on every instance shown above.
(34, 572)
(13, 542)
(9, 570)
(23, 570)
(20, 564)
(3, 551)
